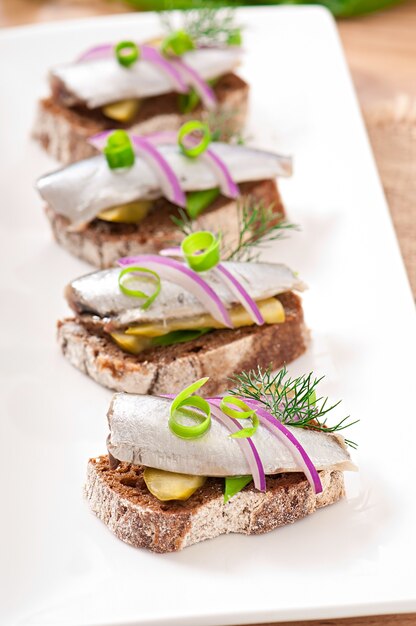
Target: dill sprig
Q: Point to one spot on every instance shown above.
(226, 126)
(208, 25)
(258, 225)
(183, 223)
(293, 401)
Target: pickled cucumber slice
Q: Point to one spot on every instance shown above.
(271, 309)
(171, 486)
(130, 343)
(131, 213)
(122, 111)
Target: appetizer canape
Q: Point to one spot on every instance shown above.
(128, 199)
(145, 87)
(154, 323)
(185, 469)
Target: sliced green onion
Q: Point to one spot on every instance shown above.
(136, 293)
(179, 336)
(183, 400)
(119, 150)
(235, 38)
(178, 43)
(198, 201)
(243, 412)
(127, 53)
(187, 129)
(201, 250)
(234, 484)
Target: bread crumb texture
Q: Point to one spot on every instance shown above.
(121, 500)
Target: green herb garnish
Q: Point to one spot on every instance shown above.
(242, 411)
(259, 225)
(119, 150)
(207, 26)
(126, 53)
(201, 250)
(128, 275)
(193, 150)
(177, 43)
(181, 406)
(293, 401)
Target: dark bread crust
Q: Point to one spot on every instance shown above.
(121, 500)
(102, 243)
(63, 131)
(168, 369)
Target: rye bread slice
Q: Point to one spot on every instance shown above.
(63, 131)
(121, 500)
(162, 370)
(102, 243)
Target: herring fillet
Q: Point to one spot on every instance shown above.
(99, 293)
(101, 81)
(140, 434)
(83, 189)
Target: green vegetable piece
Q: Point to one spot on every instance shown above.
(127, 53)
(198, 201)
(178, 43)
(119, 151)
(179, 336)
(181, 404)
(201, 250)
(194, 148)
(234, 484)
(234, 38)
(127, 276)
(243, 411)
(187, 102)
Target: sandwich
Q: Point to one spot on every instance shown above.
(146, 87)
(154, 323)
(180, 470)
(129, 199)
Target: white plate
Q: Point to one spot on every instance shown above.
(60, 565)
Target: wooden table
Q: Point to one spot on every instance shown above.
(381, 52)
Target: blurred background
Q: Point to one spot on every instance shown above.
(14, 10)
(379, 38)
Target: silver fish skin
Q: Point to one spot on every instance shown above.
(101, 81)
(83, 189)
(99, 293)
(139, 434)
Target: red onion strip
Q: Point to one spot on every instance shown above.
(228, 187)
(231, 282)
(240, 293)
(98, 52)
(247, 446)
(185, 277)
(147, 53)
(205, 92)
(167, 178)
(284, 434)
